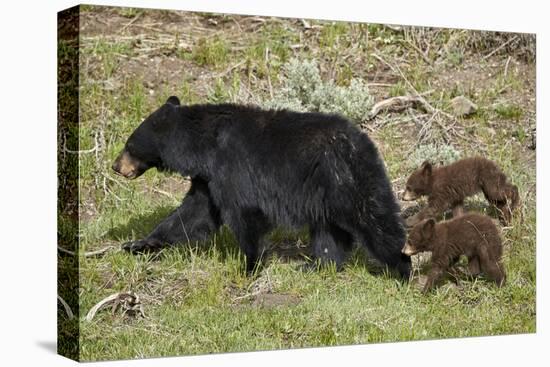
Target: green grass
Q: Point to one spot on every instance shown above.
(510, 112)
(211, 52)
(197, 299)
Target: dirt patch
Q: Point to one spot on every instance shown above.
(172, 187)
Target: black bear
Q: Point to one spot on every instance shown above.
(448, 186)
(253, 169)
(473, 235)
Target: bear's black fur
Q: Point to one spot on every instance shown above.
(268, 168)
(194, 220)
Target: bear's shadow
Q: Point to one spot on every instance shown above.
(287, 245)
(138, 227)
(284, 244)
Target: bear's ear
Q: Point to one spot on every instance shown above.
(173, 100)
(426, 167)
(428, 228)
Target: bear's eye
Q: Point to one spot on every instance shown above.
(129, 146)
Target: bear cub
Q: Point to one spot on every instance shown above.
(448, 186)
(473, 235)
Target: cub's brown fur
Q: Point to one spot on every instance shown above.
(448, 186)
(471, 234)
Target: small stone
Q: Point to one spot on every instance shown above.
(462, 106)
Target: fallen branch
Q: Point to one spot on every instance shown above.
(394, 104)
(128, 301)
(130, 23)
(499, 48)
(506, 66)
(229, 69)
(86, 254)
(420, 52)
(66, 306)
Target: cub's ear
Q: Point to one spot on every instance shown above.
(173, 100)
(426, 167)
(428, 228)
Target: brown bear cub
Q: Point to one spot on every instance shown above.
(473, 235)
(448, 186)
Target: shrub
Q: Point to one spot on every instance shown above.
(304, 90)
(436, 154)
(354, 101)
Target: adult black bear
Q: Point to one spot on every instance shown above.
(254, 169)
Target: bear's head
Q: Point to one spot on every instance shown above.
(143, 149)
(420, 237)
(419, 183)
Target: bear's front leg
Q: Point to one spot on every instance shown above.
(433, 277)
(194, 220)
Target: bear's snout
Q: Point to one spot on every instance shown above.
(408, 195)
(127, 166)
(408, 249)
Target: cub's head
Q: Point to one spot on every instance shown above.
(143, 148)
(419, 183)
(420, 237)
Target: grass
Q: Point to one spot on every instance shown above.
(197, 298)
(211, 52)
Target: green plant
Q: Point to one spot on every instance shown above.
(211, 52)
(304, 90)
(437, 154)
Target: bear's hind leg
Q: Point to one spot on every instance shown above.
(503, 196)
(249, 227)
(329, 244)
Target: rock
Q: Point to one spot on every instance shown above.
(462, 106)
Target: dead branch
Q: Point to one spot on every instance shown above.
(395, 104)
(66, 306)
(499, 48)
(229, 69)
(130, 23)
(129, 302)
(420, 52)
(162, 192)
(506, 66)
(86, 254)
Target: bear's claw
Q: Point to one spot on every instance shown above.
(138, 247)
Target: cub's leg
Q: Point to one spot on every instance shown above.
(473, 266)
(503, 196)
(433, 277)
(493, 269)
